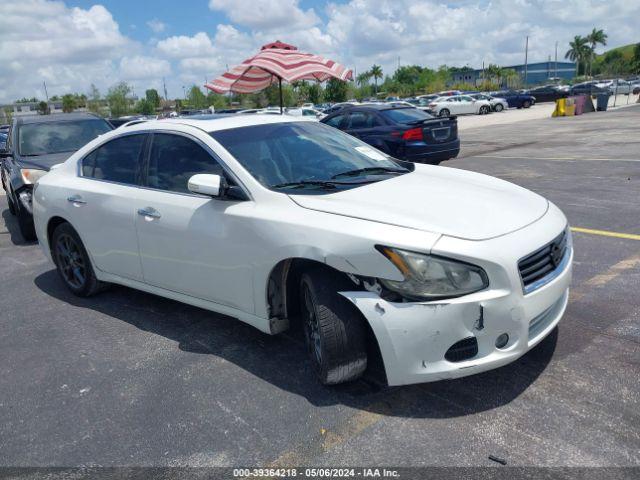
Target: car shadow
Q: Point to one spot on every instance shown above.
(13, 230)
(281, 359)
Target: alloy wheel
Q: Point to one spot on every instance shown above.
(312, 327)
(71, 261)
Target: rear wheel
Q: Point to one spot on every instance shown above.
(73, 263)
(526, 104)
(334, 331)
(484, 110)
(444, 112)
(499, 107)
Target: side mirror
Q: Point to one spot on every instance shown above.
(208, 184)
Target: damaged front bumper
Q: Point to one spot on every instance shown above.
(430, 341)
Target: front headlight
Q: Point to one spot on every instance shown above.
(32, 175)
(428, 277)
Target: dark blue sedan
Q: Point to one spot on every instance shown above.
(405, 133)
(515, 99)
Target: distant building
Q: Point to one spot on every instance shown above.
(537, 73)
(31, 108)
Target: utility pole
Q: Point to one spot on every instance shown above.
(526, 60)
(164, 86)
(398, 62)
(556, 63)
(45, 90)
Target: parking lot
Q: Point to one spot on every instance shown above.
(127, 378)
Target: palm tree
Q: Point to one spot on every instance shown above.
(363, 78)
(376, 73)
(595, 38)
(577, 51)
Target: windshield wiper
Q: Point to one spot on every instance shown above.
(304, 183)
(31, 154)
(371, 171)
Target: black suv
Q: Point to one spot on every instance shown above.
(36, 143)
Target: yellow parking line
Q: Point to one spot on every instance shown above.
(606, 233)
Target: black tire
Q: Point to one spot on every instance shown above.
(444, 112)
(25, 222)
(498, 107)
(334, 331)
(526, 104)
(484, 110)
(73, 262)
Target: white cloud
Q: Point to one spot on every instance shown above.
(70, 48)
(156, 25)
(266, 14)
(141, 67)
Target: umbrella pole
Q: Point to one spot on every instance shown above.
(280, 85)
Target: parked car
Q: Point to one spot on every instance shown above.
(497, 104)
(635, 88)
(3, 140)
(448, 93)
(459, 105)
(35, 144)
(402, 132)
(617, 87)
(588, 89)
(547, 93)
(515, 99)
(305, 112)
(441, 272)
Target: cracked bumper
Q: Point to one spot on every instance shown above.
(414, 337)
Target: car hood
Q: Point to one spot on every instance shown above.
(44, 162)
(442, 200)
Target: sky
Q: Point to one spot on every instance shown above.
(71, 44)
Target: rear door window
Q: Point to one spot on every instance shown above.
(359, 120)
(116, 161)
(335, 121)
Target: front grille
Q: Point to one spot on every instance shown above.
(536, 266)
(462, 350)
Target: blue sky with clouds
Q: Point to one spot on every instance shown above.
(72, 44)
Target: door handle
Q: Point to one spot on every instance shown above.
(76, 200)
(149, 212)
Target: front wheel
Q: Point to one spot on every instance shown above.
(526, 104)
(334, 331)
(484, 110)
(444, 113)
(73, 263)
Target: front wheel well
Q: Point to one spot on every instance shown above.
(283, 296)
(54, 222)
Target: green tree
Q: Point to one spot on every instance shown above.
(93, 102)
(636, 58)
(152, 97)
(55, 98)
(69, 103)
(195, 98)
(578, 51)
(43, 108)
(145, 107)
(595, 38)
(216, 100)
(336, 90)
(376, 73)
(314, 93)
(117, 99)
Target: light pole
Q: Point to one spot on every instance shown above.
(526, 60)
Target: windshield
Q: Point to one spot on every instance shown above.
(280, 154)
(405, 115)
(64, 136)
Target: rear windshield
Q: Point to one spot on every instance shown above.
(405, 115)
(65, 136)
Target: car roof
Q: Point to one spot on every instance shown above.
(223, 122)
(55, 117)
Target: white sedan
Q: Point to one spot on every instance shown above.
(276, 220)
(497, 104)
(459, 105)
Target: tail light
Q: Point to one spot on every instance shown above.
(413, 134)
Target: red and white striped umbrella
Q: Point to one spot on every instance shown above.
(275, 62)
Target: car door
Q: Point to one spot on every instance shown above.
(189, 243)
(452, 105)
(101, 204)
(466, 105)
